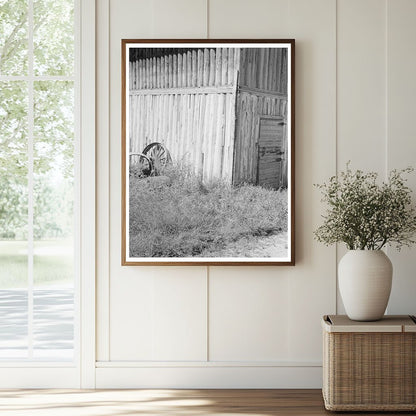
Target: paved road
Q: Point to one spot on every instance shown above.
(53, 323)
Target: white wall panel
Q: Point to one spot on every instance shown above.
(248, 314)
(361, 84)
(102, 178)
(158, 316)
(355, 89)
(209, 377)
(155, 313)
(179, 309)
(401, 143)
(311, 282)
(131, 18)
(248, 19)
(179, 19)
(361, 89)
(315, 160)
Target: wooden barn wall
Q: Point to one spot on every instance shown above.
(262, 92)
(264, 68)
(250, 107)
(187, 102)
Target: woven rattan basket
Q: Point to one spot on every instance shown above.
(369, 366)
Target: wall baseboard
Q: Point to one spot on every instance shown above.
(39, 377)
(209, 377)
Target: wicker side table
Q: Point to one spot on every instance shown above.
(369, 366)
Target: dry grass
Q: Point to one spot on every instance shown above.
(178, 216)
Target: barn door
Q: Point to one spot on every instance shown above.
(271, 150)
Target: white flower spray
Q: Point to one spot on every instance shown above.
(365, 215)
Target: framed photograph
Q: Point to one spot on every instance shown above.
(208, 135)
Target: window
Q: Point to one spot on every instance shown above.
(38, 184)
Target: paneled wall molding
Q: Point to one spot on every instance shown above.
(88, 202)
(103, 179)
(247, 326)
(242, 323)
(212, 377)
(202, 364)
(31, 377)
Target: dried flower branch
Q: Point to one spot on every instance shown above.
(366, 215)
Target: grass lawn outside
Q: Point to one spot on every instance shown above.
(53, 263)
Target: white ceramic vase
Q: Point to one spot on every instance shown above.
(364, 278)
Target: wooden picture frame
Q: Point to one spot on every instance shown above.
(208, 152)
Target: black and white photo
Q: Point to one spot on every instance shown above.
(208, 152)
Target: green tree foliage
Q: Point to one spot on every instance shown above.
(13, 129)
(13, 37)
(13, 159)
(53, 208)
(54, 127)
(53, 37)
(53, 118)
(13, 209)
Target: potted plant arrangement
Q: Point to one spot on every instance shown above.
(366, 216)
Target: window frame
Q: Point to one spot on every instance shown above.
(81, 371)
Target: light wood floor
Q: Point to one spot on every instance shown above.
(163, 402)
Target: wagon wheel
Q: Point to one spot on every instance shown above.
(140, 165)
(159, 155)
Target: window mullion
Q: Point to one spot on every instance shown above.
(30, 177)
(38, 78)
(45, 148)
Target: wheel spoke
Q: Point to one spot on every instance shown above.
(158, 155)
(140, 165)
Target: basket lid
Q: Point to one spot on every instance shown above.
(390, 323)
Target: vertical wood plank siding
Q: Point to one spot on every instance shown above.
(186, 100)
(249, 109)
(189, 100)
(264, 68)
(262, 92)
